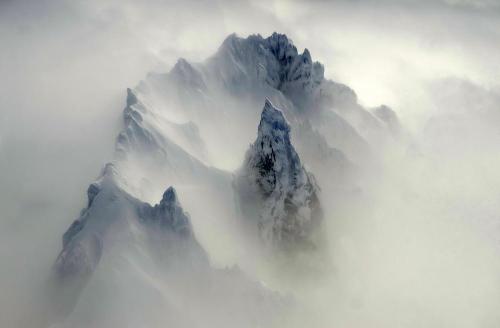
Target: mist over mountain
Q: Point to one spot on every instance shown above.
(155, 147)
(199, 177)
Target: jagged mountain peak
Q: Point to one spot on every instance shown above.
(131, 97)
(272, 152)
(169, 196)
(187, 75)
(280, 45)
(273, 186)
(168, 214)
(272, 119)
(274, 60)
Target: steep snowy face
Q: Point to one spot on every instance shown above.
(109, 205)
(273, 157)
(273, 60)
(150, 143)
(273, 66)
(231, 84)
(186, 75)
(167, 215)
(294, 68)
(147, 132)
(112, 216)
(136, 136)
(274, 188)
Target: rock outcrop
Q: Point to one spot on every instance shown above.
(274, 188)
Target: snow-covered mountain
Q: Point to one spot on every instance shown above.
(232, 84)
(190, 129)
(272, 67)
(110, 213)
(116, 225)
(274, 188)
